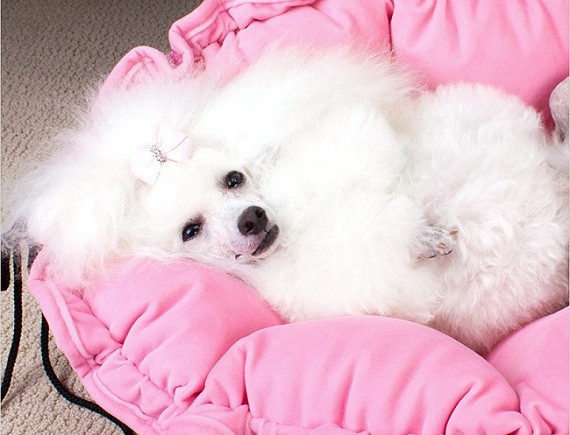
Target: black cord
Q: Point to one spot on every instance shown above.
(44, 341)
(61, 389)
(13, 354)
(5, 278)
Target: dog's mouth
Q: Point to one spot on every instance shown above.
(267, 241)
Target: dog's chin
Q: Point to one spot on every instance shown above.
(267, 245)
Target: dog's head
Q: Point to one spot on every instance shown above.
(207, 208)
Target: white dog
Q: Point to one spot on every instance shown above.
(330, 182)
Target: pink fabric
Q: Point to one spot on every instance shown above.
(521, 47)
(144, 338)
(534, 361)
(179, 348)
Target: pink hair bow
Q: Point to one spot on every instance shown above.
(172, 145)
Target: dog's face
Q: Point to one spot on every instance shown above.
(207, 208)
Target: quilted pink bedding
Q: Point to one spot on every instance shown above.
(180, 348)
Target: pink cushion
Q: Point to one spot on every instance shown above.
(144, 338)
(534, 361)
(361, 374)
(521, 47)
(179, 348)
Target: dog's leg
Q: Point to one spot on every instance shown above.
(431, 242)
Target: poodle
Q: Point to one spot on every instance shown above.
(331, 182)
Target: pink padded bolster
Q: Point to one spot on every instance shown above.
(144, 338)
(519, 47)
(175, 347)
(361, 374)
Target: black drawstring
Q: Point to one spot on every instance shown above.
(44, 342)
(13, 354)
(60, 388)
(5, 270)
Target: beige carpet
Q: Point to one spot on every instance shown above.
(52, 52)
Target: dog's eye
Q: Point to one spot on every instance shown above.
(234, 179)
(190, 231)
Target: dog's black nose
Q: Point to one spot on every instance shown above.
(252, 221)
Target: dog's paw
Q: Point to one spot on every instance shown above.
(431, 242)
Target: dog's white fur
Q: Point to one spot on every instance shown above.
(367, 176)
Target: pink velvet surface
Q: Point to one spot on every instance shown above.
(180, 348)
(177, 347)
(520, 47)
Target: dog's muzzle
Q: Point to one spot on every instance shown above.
(254, 223)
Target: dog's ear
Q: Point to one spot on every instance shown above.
(559, 108)
(77, 211)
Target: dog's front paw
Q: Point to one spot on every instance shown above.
(431, 242)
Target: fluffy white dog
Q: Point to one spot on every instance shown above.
(330, 182)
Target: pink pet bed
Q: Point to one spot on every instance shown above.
(179, 348)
